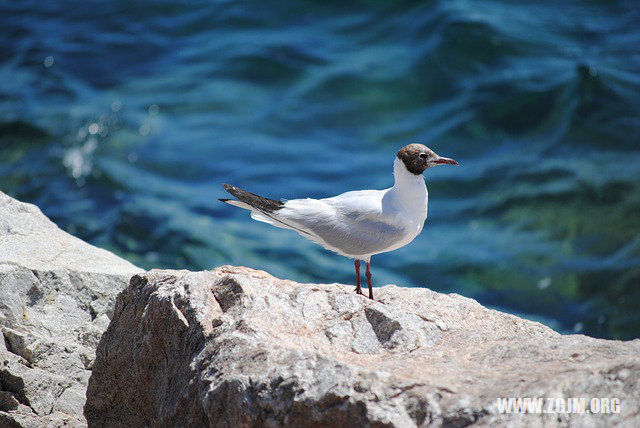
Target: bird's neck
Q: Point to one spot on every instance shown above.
(405, 180)
(409, 189)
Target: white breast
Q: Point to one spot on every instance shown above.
(407, 201)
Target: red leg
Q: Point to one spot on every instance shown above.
(369, 280)
(358, 287)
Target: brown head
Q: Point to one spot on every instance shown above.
(418, 157)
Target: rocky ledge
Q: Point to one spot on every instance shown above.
(57, 294)
(238, 347)
(235, 347)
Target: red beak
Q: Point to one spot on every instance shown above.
(446, 161)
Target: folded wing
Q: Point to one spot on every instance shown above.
(352, 224)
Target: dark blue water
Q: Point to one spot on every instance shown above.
(121, 119)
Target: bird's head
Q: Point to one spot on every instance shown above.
(418, 157)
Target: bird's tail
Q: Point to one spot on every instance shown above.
(250, 201)
(263, 209)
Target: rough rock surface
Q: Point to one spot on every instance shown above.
(235, 347)
(57, 295)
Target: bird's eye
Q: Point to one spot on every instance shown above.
(423, 155)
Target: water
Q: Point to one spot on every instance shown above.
(121, 120)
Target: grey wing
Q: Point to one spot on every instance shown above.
(361, 235)
(356, 231)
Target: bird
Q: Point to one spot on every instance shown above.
(357, 224)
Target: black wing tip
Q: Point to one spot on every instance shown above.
(255, 201)
(233, 190)
(224, 199)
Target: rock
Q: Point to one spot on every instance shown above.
(58, 293)
(235, 347)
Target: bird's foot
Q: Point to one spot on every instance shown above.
(375, 300)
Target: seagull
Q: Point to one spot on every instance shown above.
(357, 224)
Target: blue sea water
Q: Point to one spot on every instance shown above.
(121, 120)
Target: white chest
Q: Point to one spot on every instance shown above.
(413, 211)
(407, 201)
